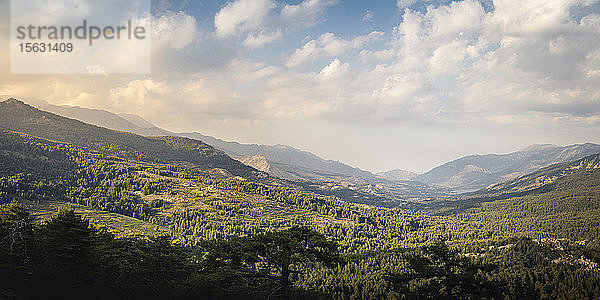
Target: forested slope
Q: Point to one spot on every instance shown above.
(227, 236)
(18, 116)
(380, 249)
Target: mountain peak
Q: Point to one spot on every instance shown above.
(258, 162)
(13, 105)
(14, 101)
(104, 118)
(398, 174)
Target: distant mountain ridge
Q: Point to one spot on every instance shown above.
(559, 188)
(474, 172)
(398, 174)
(547, 175)
(304, 168)
(281, 160)
(140, 122)
(465, 174)
(330, 178)
(122, 122)
(20, 117)
(291, 162)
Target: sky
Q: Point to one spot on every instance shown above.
(375, 84)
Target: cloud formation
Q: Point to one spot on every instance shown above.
(176, 30)
(328, 44)
(531, 65)
(259, 22)
(242, 16)
(443, 64)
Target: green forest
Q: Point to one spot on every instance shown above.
(90, 222)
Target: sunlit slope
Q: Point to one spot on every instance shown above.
(18, 116)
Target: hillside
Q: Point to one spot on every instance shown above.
(141, 122)
(21, 117)
(286, 162)
(550, 195)
(18, 116)
(102, 118)
(327, 177)
(258, 162)
(212, 215)
(474, 172)
(398, 174)
(546, 176)
(567, 205)
(296, 163)
(39, 172)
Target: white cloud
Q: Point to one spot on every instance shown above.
(259, 39)
(400, 89)
(244, 70)
(334, 69)
(448, 58)
(536, 65)
(241, 16)
(530, 65)
(55, 12)
(377, 56)
(402, 4)
(329, 45)
(532, 17)
(129, 56)
(176, 30)
(303, 54)
(454, 63)
(136, 93)
(524, 56)
(259, 22)
(306, 12)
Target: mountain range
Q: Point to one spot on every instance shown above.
(474, 172)
(18, 116)
(398, 174)
(279, 160)
(304, 169)
(31, 138)
(122, 122)
(469, 173)
(288, 162)
(131, 186)
(546, 176)
(558, 191)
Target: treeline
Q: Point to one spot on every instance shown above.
(41, 170)
(67, 257)
(571, 210)
(216, 220)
